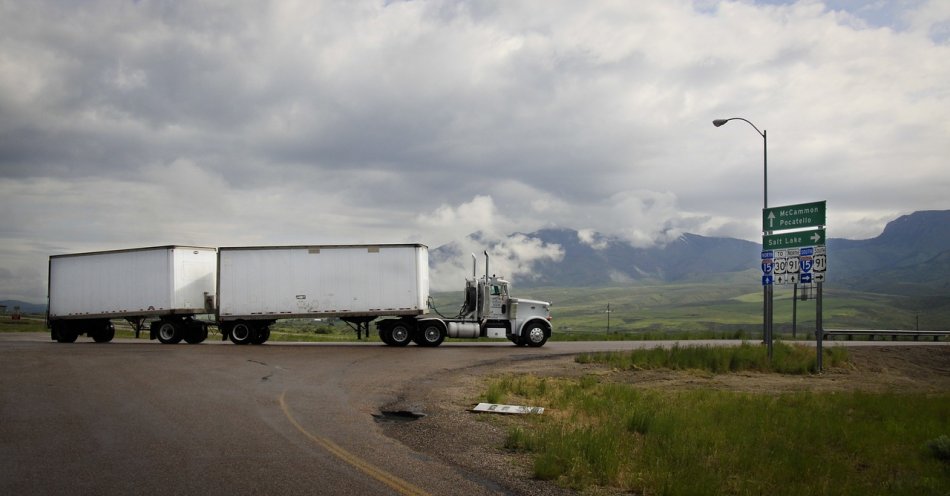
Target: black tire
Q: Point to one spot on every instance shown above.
(261, 336)
(105, 333)
(430, 334)
(241, 333)
(169, 332)
(196, 333)
(400, 334)
(534, 335)
(386, 334)
(63, 333)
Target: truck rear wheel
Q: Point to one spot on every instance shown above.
(431, 334)
(400, 334)
(170, 332)
(534, 335)
(241, 333)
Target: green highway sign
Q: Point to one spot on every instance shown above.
(815, 237)
(793, 216)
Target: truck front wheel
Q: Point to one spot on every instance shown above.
(534, 335)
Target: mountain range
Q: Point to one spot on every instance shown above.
(910, 257)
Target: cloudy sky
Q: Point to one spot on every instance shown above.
(143, 123)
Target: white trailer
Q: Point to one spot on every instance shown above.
(357, 283)
(174, 283)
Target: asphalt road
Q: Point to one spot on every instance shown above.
(138, 417)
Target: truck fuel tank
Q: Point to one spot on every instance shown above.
(468, 330)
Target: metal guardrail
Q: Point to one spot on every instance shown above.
(894, 334)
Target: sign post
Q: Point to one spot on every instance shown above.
(794, 252)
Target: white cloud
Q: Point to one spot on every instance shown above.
(476, 215)
(593, 239)
(512, 255)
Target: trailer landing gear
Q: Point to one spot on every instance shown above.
(360, 325)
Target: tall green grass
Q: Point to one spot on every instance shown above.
(596, 433)
(786, 359)
(30, 323)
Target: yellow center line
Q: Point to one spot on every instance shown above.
(395, 483)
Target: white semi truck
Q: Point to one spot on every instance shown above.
(181, 290)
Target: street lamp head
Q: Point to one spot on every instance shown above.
(719, 122)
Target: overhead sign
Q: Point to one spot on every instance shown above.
(815, 237)
(799, 216)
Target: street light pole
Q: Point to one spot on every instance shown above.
(766, 289)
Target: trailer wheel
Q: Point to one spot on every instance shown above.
(400, 334)
(64, 333)
(431, 334)
(105, 333)
(169, 332)
(534, 335)
(241, 333)
(385, 335)
(261, 336)
(196, 333)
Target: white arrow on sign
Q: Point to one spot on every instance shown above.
(771, 218)
(815, 237)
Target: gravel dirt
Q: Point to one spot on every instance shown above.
(473, 442)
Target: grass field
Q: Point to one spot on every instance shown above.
(786, 359)
(716, 310)
(598, 433)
